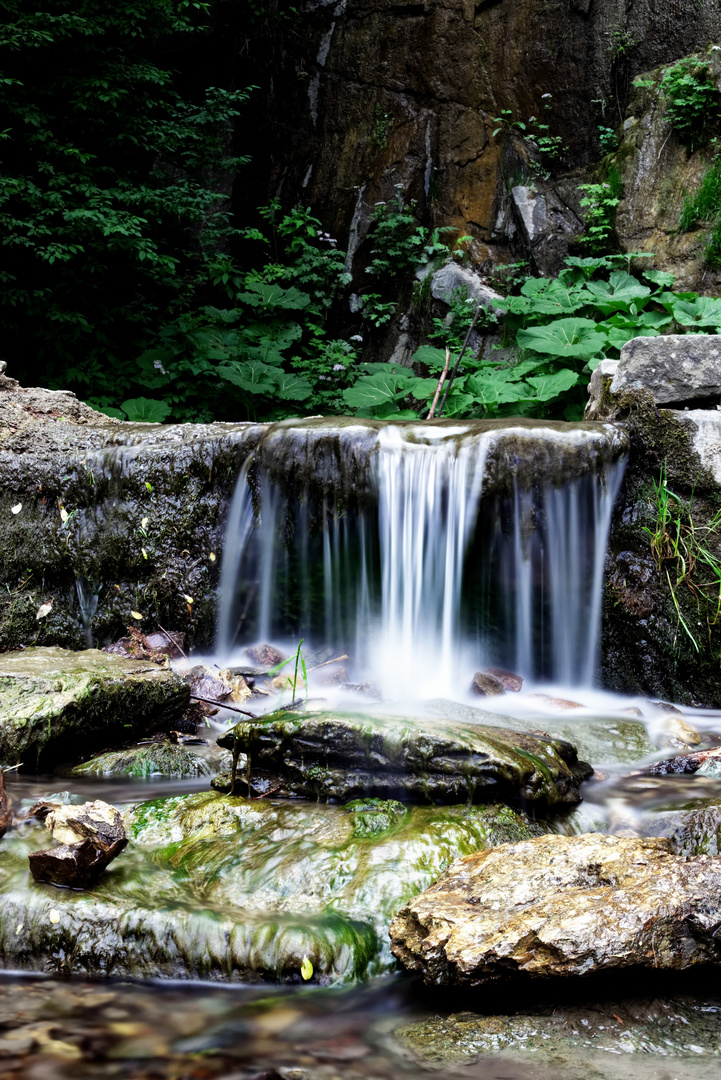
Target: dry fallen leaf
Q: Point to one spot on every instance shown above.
(54, 917)
(44, 610)
(188, 599)
(212, 556)
(144, 523)
(16, 509)
(63, 514)
(136, 615)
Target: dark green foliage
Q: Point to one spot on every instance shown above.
(599, 203)
(694, 103)
(113, 184)
(705, 207)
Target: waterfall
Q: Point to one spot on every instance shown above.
(425, 551)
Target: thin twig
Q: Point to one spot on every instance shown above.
(222, 705)
(173, 641)
(440, 384)
(471, 328)
(265, 794)
(335, 660)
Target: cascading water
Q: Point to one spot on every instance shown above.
(441, 549)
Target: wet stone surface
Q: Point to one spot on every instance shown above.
(344, 756)
(56, 704)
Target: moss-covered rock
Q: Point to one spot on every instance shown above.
(343, 756)
(57, 705)
(157, 759)
(228, 889)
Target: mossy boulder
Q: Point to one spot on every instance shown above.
(222, 888)
(156, 759)
(57, 705)
(345, 756)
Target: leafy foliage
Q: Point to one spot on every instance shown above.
(112, 186)
(599, 202)
(694, 103)
(705, 208)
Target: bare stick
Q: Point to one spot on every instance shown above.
(471, 328)
(335, 660)
(440, 384)
(173, 641)
(222, 705)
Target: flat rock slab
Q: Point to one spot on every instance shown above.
(226, 889)
(675, 369)
(56, 705)
(561, 906)
(344, 756)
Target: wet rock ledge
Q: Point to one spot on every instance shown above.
(341, 757)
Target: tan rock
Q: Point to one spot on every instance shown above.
(563, 906)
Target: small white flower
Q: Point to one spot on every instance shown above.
(338, 367)
(357, 337)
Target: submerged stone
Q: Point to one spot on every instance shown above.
(561, 906)
(227, 889)
(345, 756)
(90, 837)
(57, 705)
(587, 1037)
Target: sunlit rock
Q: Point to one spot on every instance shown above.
(561, 906)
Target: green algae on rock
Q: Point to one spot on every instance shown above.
(156, 759)
(57, 705)
(233, 890)
(345, 756)
(563, 906)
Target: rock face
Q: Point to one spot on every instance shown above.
(330, 756)
(359, 119)
(158, 759)
(109, 512)
(563, 906)
(56, 704)
(232, 890)
(674, 369)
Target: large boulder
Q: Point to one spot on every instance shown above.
(561, 906)
(342, 756)
(155, 759)
(56, 705)
(676, 369)
(233, 890)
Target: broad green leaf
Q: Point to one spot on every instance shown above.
(564, 338)
(146, 410)
(495, 388)
(547, 387)
(542, 296)
(589, 265)
(434, 358)
(292, 387)
(458, 404)
(117, 414)
(422, 388)
(619, 336)
(704, 311)
(373, 390)
(260, 294)
(660, 277)
(253, 376)
(618, 293)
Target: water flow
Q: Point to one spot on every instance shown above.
(434, 576)
(88, 600)
(428, 498)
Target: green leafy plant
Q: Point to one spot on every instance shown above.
(608, 139)
(693, 101)
(704, 208)
(599, 203)
(686, 555)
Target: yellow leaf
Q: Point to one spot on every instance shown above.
(136, 615)
(144, 523)
(145, 554)
(64, 515)
(212, 556)
(54, 917)
(44, 611)
(306, 969)
(188, 599)
(16, 509)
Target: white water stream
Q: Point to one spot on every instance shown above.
(437, 576)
